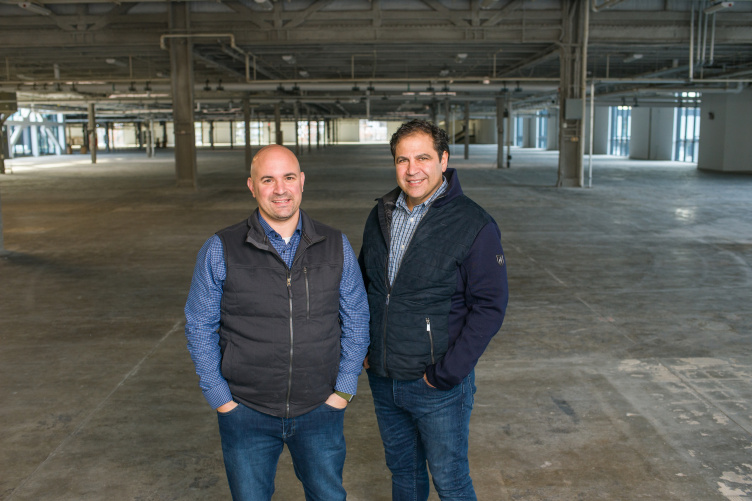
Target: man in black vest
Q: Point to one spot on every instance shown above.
(277, 326)
(437, 291)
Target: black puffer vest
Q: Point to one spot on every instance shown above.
(279, 328)
(409, 320)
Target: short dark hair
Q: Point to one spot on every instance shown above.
(440, 139)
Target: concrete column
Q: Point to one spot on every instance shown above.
(318, 134)
(92, 134)
(277, 124)
(296, 112)
(571, 126)
(232, 134)
(3, 149)
(164, 134)
(107, 136)
(447, 117)
(247, 121)
(309, 133)
(467, 129)
(529, 132)
(652, 134)
(500, 103)
(553, 129)
(181, 66)
(34, 134)
(726, 120)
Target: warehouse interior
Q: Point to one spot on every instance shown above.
(608, 138)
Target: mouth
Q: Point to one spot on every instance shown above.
(414, 182)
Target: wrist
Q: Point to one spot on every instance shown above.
(344, 395)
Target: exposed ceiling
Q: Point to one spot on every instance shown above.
(358, 58)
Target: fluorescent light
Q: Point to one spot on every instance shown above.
(35, 8)
(713, 8)
(632, 57)
(289, 59)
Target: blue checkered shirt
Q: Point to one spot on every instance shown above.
(202, 313)
(404, 222)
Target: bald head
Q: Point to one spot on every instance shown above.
(274, 154)
(277, 185)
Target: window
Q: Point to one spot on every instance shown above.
(687, 127)
(519, 131)
(542, 126)
(372, 131)
(620, 127)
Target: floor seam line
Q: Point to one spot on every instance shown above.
(101, 404)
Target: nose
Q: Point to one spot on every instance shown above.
(279, 188)
(411, 168)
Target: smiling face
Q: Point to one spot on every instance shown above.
(277, 184)
(419, 167)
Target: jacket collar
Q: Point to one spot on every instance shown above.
(257, 237)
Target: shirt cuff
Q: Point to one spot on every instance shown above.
(217, 396)
(347, 383)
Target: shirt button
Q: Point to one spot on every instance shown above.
(411, 220)
(402, 246)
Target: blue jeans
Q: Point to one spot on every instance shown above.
(253, 441)
(420, 424)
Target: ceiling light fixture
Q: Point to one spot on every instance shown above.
(35, 8)
(206, 86)
(715, 7)
(632, 58)
(304, 74)
(444, 72)
(460, 58)
(219, 85)
(289, 59)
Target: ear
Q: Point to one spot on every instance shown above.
(250, 187)
(444, 161)
(302, 180)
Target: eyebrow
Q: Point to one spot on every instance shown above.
(283, 175)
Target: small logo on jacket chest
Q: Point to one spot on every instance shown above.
(500, 259)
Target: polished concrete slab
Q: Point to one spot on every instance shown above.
(623, 369)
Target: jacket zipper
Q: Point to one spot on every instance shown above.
(307, 296)
(289, 370)
(430, 338)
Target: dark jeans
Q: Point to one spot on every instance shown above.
(420, 424)
(252, 443)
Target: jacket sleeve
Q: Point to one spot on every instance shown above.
(483, 279)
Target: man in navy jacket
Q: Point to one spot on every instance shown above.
(436, 280)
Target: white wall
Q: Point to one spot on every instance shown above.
(600, 130)
(652, 133)
(725, 140)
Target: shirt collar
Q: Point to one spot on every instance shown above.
(401, 202)
(271, 232)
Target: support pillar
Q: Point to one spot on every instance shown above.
(181, 66)
(500, 132)
(232, 134)
(318, 134)
(575, 16)
(447, 117)
(553, 129)
(652, 134)
(467, 129)
(296, 112)
(247, 121)
(92, 134)
(3, 153)
(309, 130)
(277, 124)
(726, 121)
(211, 134)
(107, 136)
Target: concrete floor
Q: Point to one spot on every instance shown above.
(623, 370)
